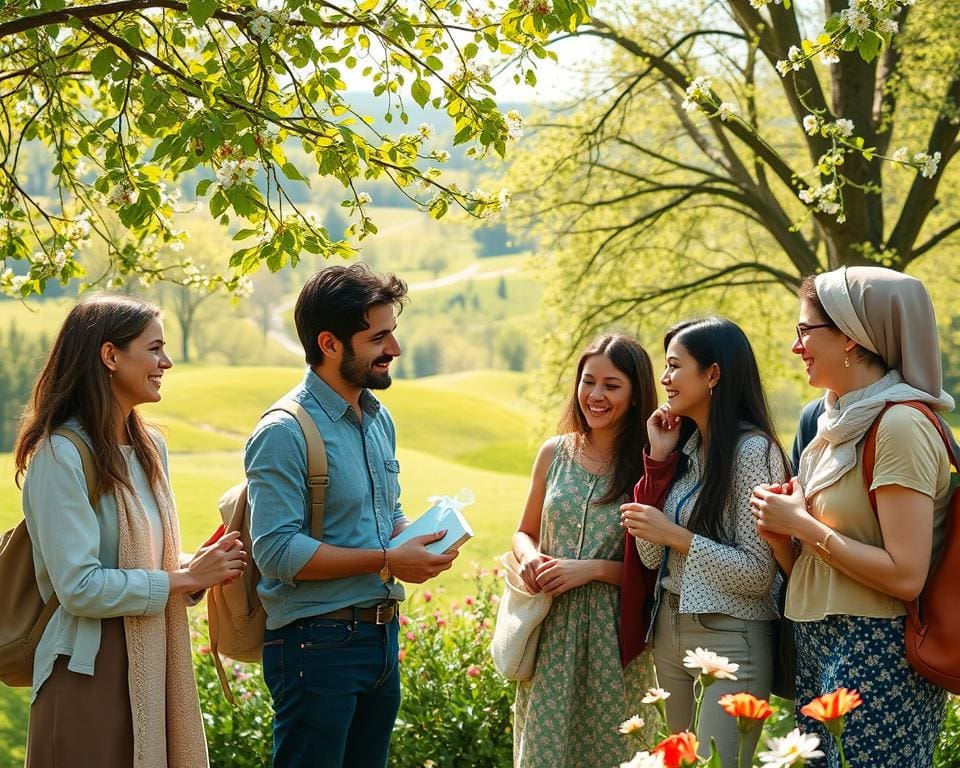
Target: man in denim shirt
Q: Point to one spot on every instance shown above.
(330, 654)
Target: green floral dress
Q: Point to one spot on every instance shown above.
(568, 713)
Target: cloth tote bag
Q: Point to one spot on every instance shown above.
(515, 635)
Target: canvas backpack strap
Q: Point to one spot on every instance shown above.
(86, 459)
(318, 475)
(90, 477)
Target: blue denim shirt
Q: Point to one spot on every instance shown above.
(362, 502)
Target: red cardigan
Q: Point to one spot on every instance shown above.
(638, 582)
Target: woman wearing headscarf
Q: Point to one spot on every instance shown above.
(866, 335)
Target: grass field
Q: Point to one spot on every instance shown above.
(459, 431)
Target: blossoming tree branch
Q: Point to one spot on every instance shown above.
(748, 143)
(132, 97)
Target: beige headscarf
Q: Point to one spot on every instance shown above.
(167, 724)
(890, 314)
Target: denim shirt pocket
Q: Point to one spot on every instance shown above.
(392, 467)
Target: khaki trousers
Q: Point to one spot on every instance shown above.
(748, 643)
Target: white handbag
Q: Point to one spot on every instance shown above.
(515, 636)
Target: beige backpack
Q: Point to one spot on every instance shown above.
(236, 617)
(23, 613)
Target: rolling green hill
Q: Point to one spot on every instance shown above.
(463, 430)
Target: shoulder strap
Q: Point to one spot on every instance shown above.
(318, 477)
(90, 477)
(870, 447)
(86, 459)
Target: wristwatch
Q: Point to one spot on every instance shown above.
(385, 573)
(821, 547)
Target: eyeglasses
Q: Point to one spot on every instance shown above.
(803, 329)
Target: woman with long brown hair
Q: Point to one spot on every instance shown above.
(113, 681)
(570, 545)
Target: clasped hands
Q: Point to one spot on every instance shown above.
(554, 575)
(778, 509)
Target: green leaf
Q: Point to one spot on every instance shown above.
(870, 45)
(420, 90)
(218, 204)
(202, 186)
(102, 63)
(292, 173)
(201, 10)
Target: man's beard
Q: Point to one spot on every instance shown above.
(360, 374)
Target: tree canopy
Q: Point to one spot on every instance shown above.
(743, 144)
(132, 99)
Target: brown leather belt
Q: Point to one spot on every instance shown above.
(375, 614)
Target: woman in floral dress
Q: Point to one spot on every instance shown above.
(570, 545)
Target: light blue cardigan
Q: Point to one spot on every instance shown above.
(75, 552)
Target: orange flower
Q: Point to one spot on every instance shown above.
(678, 750)
(832, 706)
(746, 706)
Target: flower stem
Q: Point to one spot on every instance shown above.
(698, 690)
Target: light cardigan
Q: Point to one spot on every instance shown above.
(76, 548)
(734, 578)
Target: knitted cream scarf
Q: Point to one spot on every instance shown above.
(167, 726)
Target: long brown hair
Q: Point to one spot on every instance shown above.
(631, 359)
(74, 383)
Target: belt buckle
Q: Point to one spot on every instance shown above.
(382, 609)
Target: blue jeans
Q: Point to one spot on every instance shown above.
(336, 692)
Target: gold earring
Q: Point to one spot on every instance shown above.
(846, 361)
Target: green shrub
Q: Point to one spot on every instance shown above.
(948, 750)
(239, 736)
(456, 709)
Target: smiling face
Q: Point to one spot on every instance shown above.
(686, 385)
(822, 349)
(603, 393)
(366, 359)
(136, 371)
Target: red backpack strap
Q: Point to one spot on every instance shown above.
(870, 447)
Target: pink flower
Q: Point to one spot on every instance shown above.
(469, 600)
(427, 596)
(403, 654)
(473, 671)
(411, 636)
(404, 620)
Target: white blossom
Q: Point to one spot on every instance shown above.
(425, 130)
(653, 695)
(232, 172)
(888, 27)
(504, 197)
(927, 164)
(902, 155)
(514, 122)
(699, 88)
(17, 282)
(364, 199)
(710, 664)
(829, 56)
(645, 760)
(440, 155)
(261, 26)
(632, 725)
(844, 127)
(790, 749)
(811, 124)
(122, 194)
(726, 111)
(856, 19)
